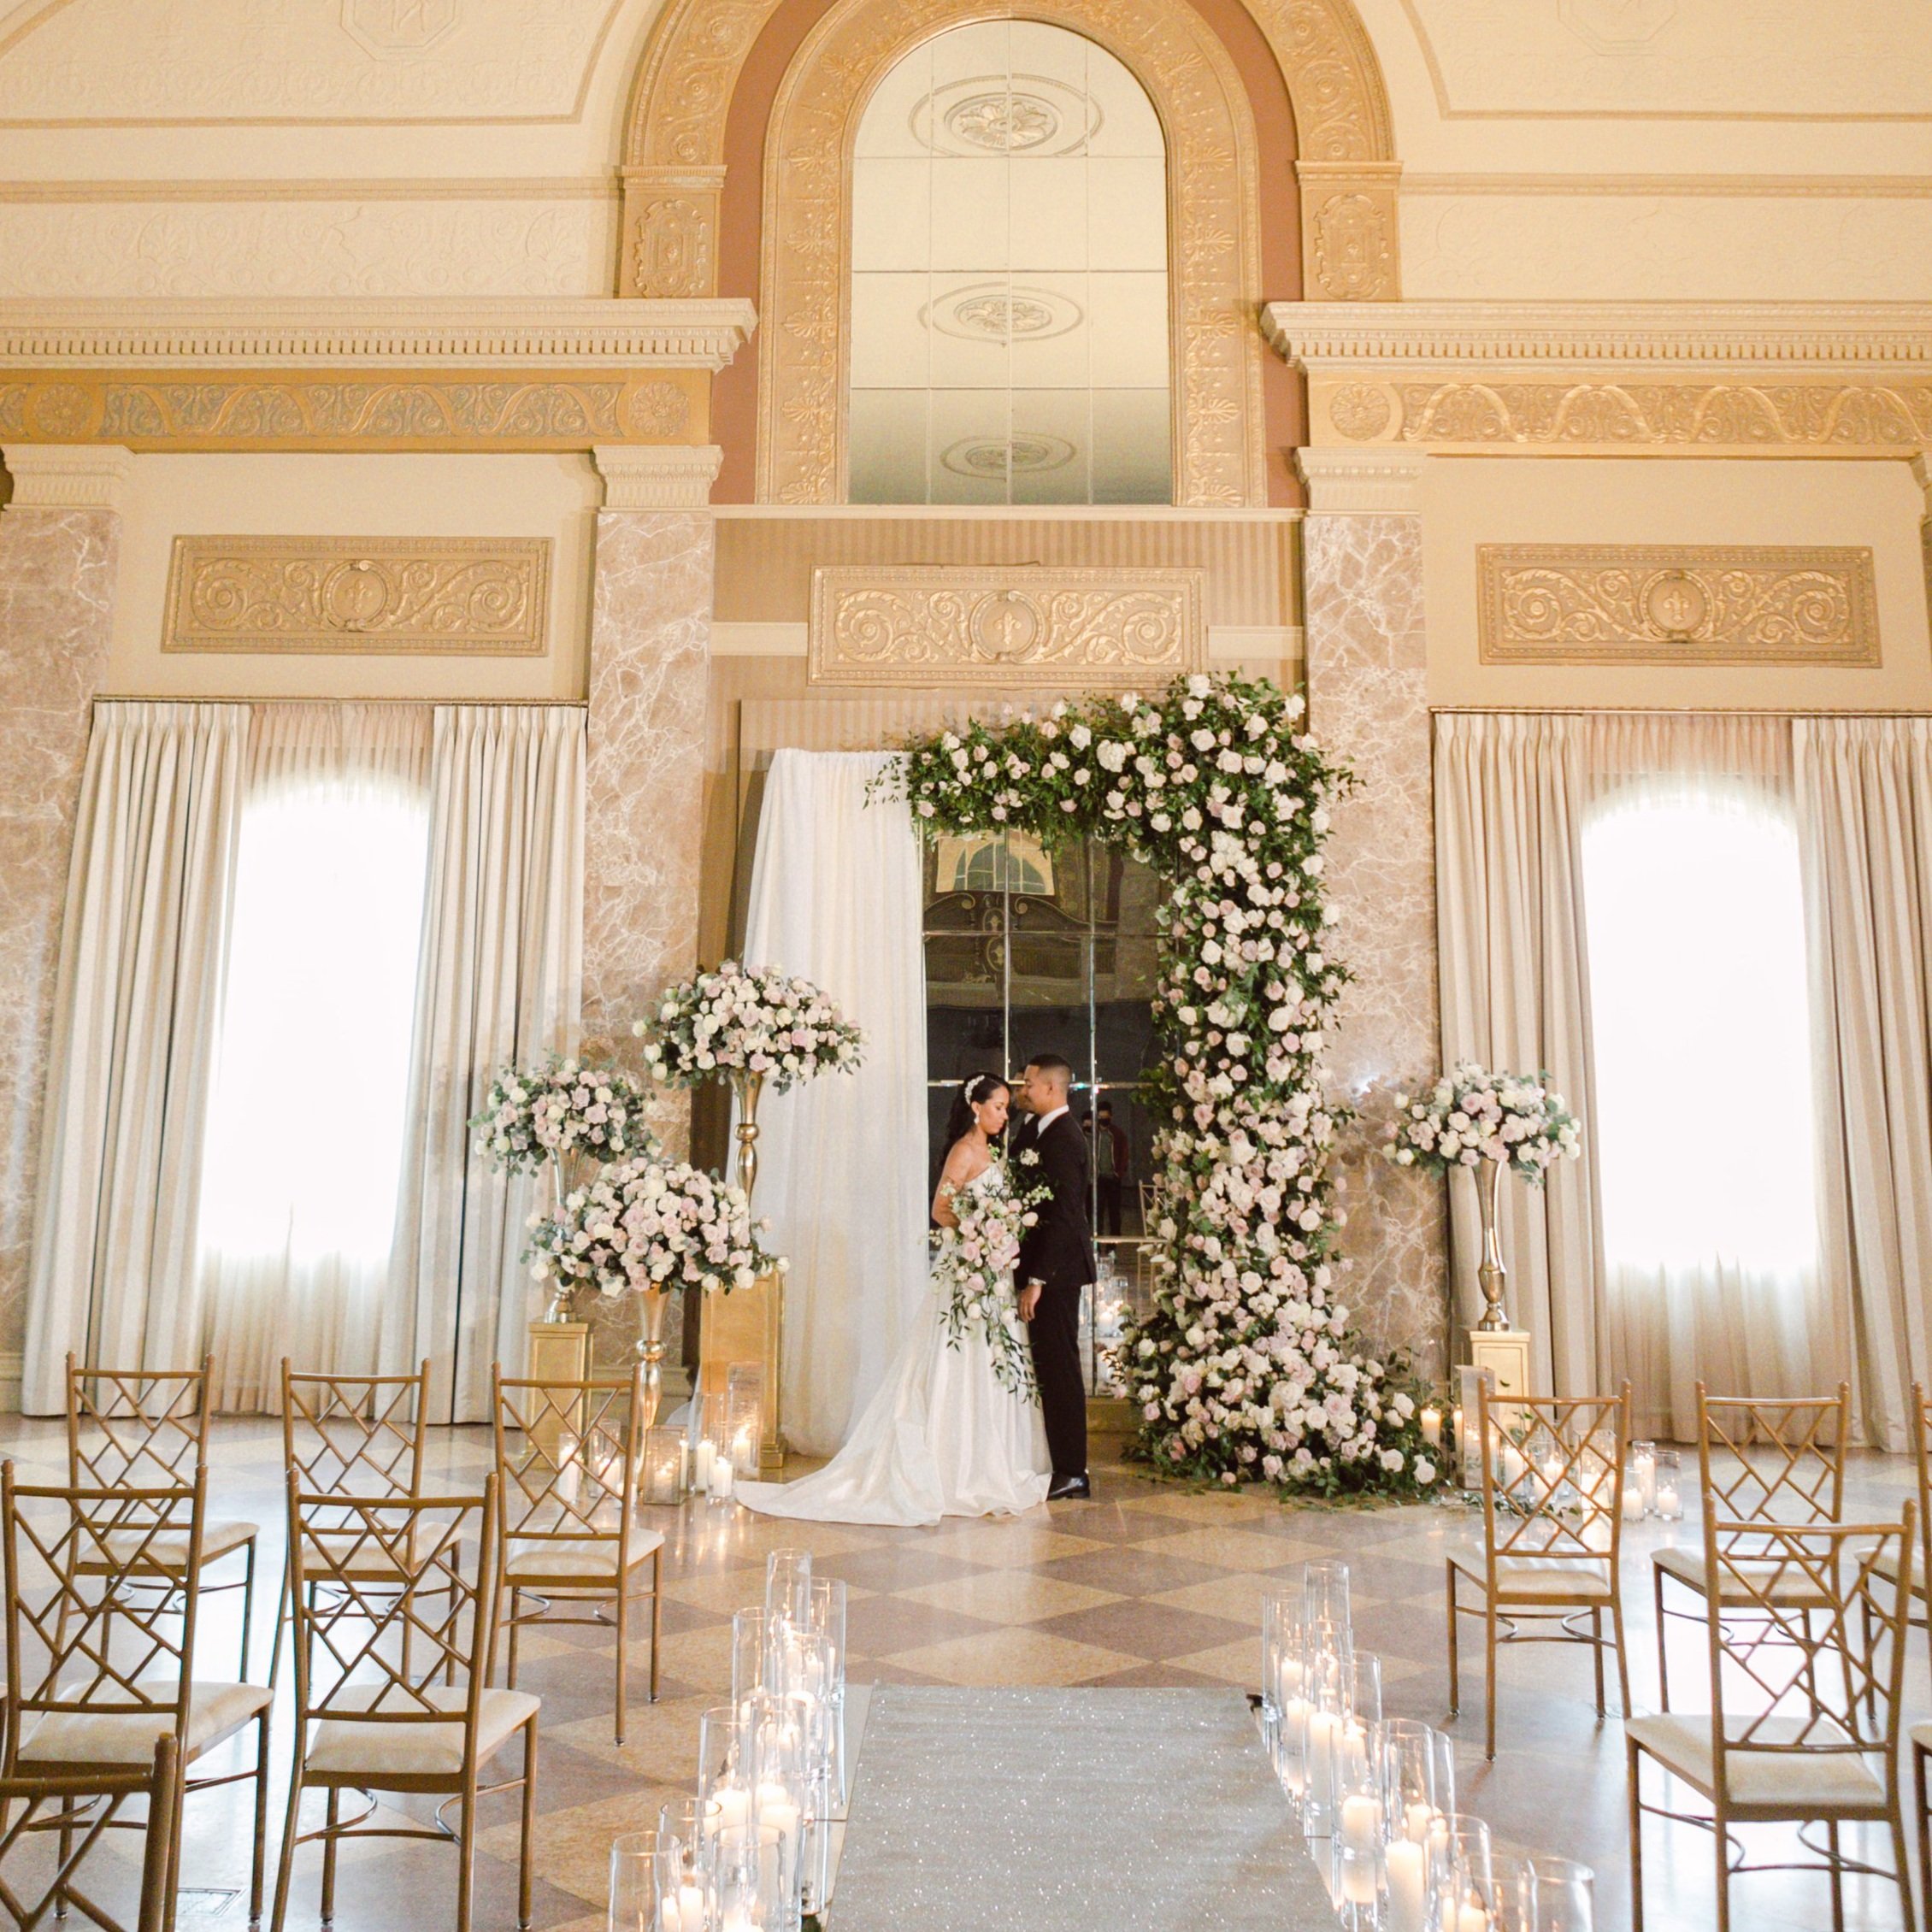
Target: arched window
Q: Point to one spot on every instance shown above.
(1009, 322)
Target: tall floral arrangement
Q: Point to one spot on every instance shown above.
(557, 1112)
(1472, 1115)
(747, 1019)
(1247, 1368)
(650, 1225)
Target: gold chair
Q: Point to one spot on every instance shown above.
(149, 1429)
(103, 1666)
(1796, 1478)
(568, 1457)
(391, 1685)
(1803, 1720)
(1553, 1484)
(102, 1794)
(355, 1435)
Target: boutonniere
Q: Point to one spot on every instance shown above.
(1028, 1157)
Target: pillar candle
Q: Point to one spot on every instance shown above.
(1432, 1428)
(1360, 1823)
(1322, 1730)
(721, 1478)
(1643, 1467)
(1633, 1504)
(1408, 1887)
(706, 1456)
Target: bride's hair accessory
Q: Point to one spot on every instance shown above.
(979, 1087)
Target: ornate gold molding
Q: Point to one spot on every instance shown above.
(194, 408)
(947, 625)
(697, 48)
(476, 595)
(1350, 246)
(1559, 603)
(1213, 214)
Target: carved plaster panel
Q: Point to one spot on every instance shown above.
(947, 625)
(327, 409)
(696, 48)
(476, 595)
(1350, 251)
(1213, 211)
(1556, 603)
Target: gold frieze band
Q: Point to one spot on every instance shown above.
(476, 595)
(332, 410)
(1560, 603)
(950, 624)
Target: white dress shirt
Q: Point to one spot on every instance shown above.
(1042, 1121)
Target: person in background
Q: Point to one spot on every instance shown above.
(1110, 1149)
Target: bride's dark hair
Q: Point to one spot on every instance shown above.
(973, 1092)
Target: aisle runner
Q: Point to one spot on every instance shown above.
(1069, 1811)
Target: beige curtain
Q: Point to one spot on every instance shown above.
(500, 980)
(1510, 791)
(139, 988)
(290, 1290)
(1865, 790)
(1515, 796)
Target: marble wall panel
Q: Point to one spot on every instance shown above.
(1367, 701)
(58, 569)
(651, 633)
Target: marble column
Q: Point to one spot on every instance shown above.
(650, 670)
(1369, 702)
(60, 546)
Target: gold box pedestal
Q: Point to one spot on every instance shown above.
(745, 1326)
(560, 1352)
(1505, 1353)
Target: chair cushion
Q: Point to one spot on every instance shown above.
(1540, 1579)
(1811, 1782)
(369, 1752)
(215, 1712)
(1687, 1567)
(169, 1549)
(1886, 1563)
(529, 1557)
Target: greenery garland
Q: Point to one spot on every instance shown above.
(1247, 1369)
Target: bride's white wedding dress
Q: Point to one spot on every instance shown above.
(942, 1438)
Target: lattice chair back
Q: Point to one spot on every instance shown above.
(1922, 1466)
(568, 1456)
(1781, 1461)
(355, 1435)
(1552, 1477)
(1809, 1654)
(409, 1652)
(89, 1639)
(136, 1429)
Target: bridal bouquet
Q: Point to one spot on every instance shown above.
(974, 1271)
(648, 1225)
(534, 1115)
(1472, 1115)
(749, 1020)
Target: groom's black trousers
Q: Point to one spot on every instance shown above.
(1054, 1335)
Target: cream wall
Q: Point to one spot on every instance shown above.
(349, 496)
(1468, 501)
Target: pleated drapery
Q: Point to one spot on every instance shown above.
(835, 898)
(143, 960)
(1864, 797)
(124, 1272)
(1515, 795)
(501, 981)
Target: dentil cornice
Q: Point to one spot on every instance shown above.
(577, 333)
(1331, 335)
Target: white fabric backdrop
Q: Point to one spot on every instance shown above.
(835, 899)
(141, 956)
(501, 978)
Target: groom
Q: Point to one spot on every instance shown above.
(1056, 1264)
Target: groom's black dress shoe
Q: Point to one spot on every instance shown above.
(1068, 1488)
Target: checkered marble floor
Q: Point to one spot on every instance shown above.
(1149, 1584)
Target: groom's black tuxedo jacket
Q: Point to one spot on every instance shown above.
(1058, 1248)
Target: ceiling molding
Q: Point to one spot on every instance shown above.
(594, 332)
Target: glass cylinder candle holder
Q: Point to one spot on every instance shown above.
(1281, 1661)
(1565, 1895)
(751, 1642)
(788, 1578)
(748, 1878)
(1642, 1473)
(1512, 1905)
(1326, 1677)
(744, 1418)
(1468, 1434)
(1358, 1873)
(1324, 1594)
(1463, 1876)
(661, 1481)
(687, 1850)
(633, 1883)
(1669, 1486)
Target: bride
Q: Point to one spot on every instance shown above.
(946, 1434)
